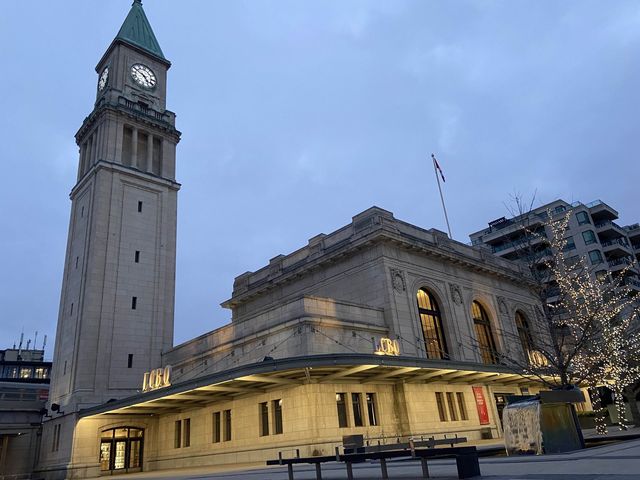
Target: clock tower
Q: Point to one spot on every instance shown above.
(117, 301)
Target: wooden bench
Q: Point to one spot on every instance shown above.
(466, 460)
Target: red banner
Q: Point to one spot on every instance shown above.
(481, 405)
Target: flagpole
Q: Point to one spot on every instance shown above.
(444, 208)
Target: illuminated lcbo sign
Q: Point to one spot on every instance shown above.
(157, 378)
(386, 346)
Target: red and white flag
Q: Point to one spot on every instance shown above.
(437, 165)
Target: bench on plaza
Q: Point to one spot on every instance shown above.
(466, 459)
(429, 442)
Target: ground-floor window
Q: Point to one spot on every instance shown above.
(227, 425)
(121, 449)
(264, 419)
(341, 403)
(216, 427)
(442, 413)
(356, 401)
(277, 416)
(371, 409)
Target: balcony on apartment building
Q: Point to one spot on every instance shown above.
(633, 232)
(504, 227)
(608, 230)
(600, 211)
(617, 247)
(618, 264)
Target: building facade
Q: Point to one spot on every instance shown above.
(24, 390)
(592, 233)
(380, 328)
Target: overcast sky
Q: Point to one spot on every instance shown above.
(297, 115)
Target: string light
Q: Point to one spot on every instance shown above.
(600, 313)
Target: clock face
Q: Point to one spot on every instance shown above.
(104, 78)
(143, 75)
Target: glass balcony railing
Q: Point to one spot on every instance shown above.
(608, 223)
(617, 241)
(620, 261)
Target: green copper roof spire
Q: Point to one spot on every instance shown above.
(137, 31)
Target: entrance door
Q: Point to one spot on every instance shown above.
(121, 450)
(120, 455)
(105, 455)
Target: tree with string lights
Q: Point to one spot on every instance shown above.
(605, 303)
(584, 333)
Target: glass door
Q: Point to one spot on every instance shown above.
(105, 455)
(121, 450)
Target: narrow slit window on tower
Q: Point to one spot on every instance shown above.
(134, 303)
(137, 257)
(77, 258)
(71, 312)
(130, 361)
(139, 206)
(82, 211)
(64, 371)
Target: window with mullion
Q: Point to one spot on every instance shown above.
(485, 337)
(431, 321)
(524, 332)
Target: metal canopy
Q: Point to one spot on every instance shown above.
(291, 372)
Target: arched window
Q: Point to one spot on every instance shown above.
(524, 333)
(483, 333)
(121, 449)
(431, 321)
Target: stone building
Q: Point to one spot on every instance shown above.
(380, 328)
(24, 389)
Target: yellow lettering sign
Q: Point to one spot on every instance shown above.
(386, 346)
(156, 378)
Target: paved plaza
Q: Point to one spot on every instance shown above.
(619, 461)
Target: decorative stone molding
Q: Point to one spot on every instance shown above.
(502, 306)
(456, 294)
(398, 281)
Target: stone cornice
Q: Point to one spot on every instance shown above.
(164, 122)
(372, 227)
(128, 171)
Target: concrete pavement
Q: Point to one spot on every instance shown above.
(619, 461)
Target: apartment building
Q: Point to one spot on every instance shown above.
(592, 232)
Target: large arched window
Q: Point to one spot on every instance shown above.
(121, 449)
(431, 321)
(483, 333)
(524, 333)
